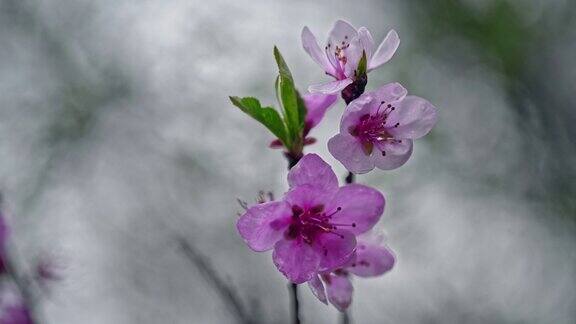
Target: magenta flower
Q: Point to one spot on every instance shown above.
(316, 106)
(371, 259)
(377, 129)
(15, 314)
(4, 232)
(313, 227)
(13, 310)
(343, 52)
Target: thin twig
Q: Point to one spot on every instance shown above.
(345, 318)
(226, 292)
(294, 302)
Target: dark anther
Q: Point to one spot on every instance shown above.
(317, 209)
(297, 211)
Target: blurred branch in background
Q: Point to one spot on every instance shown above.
(78, 100)
(524, 51)
(225, 290)
(80, 97)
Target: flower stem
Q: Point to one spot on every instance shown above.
(295, 304)
(292, 287)
(350, 178)
(345, 318)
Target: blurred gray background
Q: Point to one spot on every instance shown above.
(117, 137)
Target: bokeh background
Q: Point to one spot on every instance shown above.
(117, 141)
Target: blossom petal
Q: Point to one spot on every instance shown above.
(339, 289)
(372, 260)
(15, 314)
(311, 47)
(317, 288)
(297, 260)
(348, 150)
(263, 224)
(388, 94)
(330, 87)
(341, 32)
(361, 207)
(355, 110)
(392, 155)
(335, 248)
(416, 117)
(385, 50)
(316, 106)
(367, 41)
(353, 54)
(313, 171)
(308, 196)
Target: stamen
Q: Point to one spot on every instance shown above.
(353, 224)
(334, 212)
(242, 203)
(337, 234)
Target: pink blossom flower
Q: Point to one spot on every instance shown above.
(316, 106)
(313, 227)
(15, 314)
(12, 307)
(343, 52)
(4, 232)
(371, 259)
(377, 129)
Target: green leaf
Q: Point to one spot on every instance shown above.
(288, 97)
(267, 116)
(302, 111)
(362, 65)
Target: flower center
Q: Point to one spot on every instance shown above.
(337, 57)
(308, 223)
(372, 129)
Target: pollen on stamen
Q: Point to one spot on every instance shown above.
(383, 153)
(397, 124)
